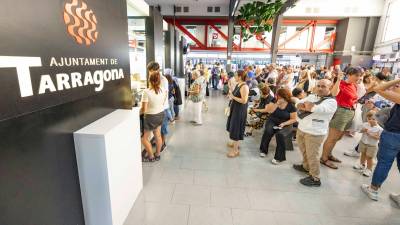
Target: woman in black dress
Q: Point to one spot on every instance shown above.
(238, 112)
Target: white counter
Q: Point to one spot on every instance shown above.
(110, 169)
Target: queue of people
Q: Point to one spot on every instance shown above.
(324, 105)
(313, 107)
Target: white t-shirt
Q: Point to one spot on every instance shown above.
(165, 86)
(317, 123)
(368, 140)
(155, 102)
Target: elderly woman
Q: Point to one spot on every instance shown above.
(196, 97)
(257, 119)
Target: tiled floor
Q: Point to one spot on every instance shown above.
(195, 184)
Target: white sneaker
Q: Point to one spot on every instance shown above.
(395, 198)
(359, 167)
(262, 154)
(275, 162)
(352, 153)
(367, 173)
(372, 194)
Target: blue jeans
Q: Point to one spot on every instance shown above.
(164, 126)
(176, 110)
(389, 149)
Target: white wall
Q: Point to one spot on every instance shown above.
(381, 46)
(336, 8)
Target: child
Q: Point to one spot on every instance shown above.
(368, 145)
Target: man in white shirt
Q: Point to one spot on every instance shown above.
(315, 113)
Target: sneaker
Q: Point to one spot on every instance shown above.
(372, 194)
(367, 173)
(262, 154)
(275, 162)
(310, 182)
(352, 153)
(299, 167)
(359, 167)
(396, 199)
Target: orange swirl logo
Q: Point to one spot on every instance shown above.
(81, 22)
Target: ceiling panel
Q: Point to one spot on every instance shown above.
(187, 2)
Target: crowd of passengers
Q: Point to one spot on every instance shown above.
(314, 107)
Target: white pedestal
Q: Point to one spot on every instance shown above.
(110, 168)
(182, 85)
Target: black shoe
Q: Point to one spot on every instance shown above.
(310, 182)
(157, 157)
(299, 168)
(163, 147)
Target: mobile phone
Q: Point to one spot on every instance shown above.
(277, 128)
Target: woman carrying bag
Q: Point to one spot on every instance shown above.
(236, 123)
(196, 96)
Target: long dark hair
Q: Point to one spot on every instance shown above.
(242, 75)
(155, 81)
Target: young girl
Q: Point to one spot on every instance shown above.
(368, 145)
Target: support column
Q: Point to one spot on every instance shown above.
(276, 30)
(170, 48)
(229, 44)
(154, 37)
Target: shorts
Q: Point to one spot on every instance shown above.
(165, 122)
(152, 121)
(369, 150)
(342, 119)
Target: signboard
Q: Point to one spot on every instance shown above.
(215, 36)
(54, 52)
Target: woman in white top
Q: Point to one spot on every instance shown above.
(153, 100)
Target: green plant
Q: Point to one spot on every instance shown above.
(256, 18)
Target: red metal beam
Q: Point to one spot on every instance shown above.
(314, 25)
(206, 35)
(222, 34)
(185, 31)
(297, 33)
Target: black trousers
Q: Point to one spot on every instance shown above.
(280, 135)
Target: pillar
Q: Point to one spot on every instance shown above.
(154, 37)
(276, 30)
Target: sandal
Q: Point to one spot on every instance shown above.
(248, 134)
(329, 164)
(334, 159)
(157, 157)
(233, 154)
(147, 159)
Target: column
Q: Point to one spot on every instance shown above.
(276, 30)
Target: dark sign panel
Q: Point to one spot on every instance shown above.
(58, 51)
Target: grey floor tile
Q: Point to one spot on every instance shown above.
(269, 200)
(192, 194)
(230, 198)
(210, 178)
(179, 176)
(296, 219)
(253, 217)
(166, 214)
(203, 215)
(157, 192)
